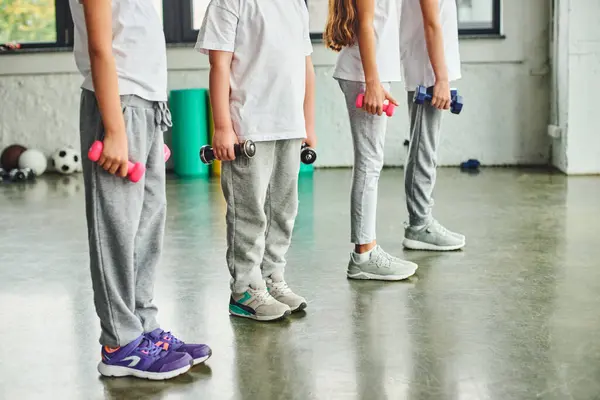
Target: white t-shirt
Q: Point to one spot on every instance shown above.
(417, 69)
(270, 41)
(138, 47)
(385, 22)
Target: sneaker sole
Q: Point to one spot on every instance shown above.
(269, 318)
(417, 245)
(114, 371)
(301, 307)
(374, 277)
(202, 360)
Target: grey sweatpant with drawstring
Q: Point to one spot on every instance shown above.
(262, 204)
(421, 162)
(368, 137)
(125, 220)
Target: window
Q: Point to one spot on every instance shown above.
(182, 19)
(478, 17)
(48, 23)
(317, 11)
(475, 17)
(36, 23)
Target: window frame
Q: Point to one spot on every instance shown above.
(178, 26)
(64, 31)
(494, 30)
(187, 33)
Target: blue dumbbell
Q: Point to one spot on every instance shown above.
(423, 94)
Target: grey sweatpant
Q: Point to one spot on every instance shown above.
(368, 137)
(262, 203)
(125, 220)
(421, 162)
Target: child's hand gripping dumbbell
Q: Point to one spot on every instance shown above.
(388, 108)
(308, 155)
(135, 171)
(246, 149)
(423, 94)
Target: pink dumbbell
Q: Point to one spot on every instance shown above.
(134, 171)
(388, 108)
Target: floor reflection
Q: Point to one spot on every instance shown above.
(514, 316)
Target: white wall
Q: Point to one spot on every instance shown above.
(506, 87)
(578, 72)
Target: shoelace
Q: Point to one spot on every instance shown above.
(261, 294)
(168, 336)
(388, 256)
(282, 287)
(439, 227)
(149, 348)
(382, 260)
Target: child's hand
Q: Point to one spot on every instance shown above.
(441, 95)
(223, 142)
(375, 95)
(115, 154)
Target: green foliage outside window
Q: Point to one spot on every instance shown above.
(27, 21)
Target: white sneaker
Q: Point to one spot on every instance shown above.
(257, 304)
(380, 266)
(282, 293)
(433, 237)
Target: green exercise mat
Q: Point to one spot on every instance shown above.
(189, 108)
(307, 169)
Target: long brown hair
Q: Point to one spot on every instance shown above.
(342, 24)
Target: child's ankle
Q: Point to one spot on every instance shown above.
(364, 248)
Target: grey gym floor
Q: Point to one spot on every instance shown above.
(516, 315)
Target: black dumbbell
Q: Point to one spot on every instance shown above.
(423, 94)
(20, 175)
(4, 175)
(17, 175)
(246, 149)
(29, 174)
(308, 155)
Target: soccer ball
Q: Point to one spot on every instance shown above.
(66, 161)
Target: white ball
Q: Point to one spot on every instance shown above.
(35, 160)
(66, 161)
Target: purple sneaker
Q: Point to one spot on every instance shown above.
(143, 359)
(199, 352)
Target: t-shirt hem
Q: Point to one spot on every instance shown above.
(413, 86)
(150, 96)
(204, 47)
(273, 136)
(354, 78)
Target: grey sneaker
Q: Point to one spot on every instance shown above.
(257, 304)
(283, 294)
(381, 266)
(433, 237)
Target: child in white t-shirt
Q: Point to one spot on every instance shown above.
(261, 89)
(365, 32)
(120, 51)
(430, 57)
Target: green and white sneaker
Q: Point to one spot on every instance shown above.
(257, 304)
(432, 237)
(380, 266)
(283, 294)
